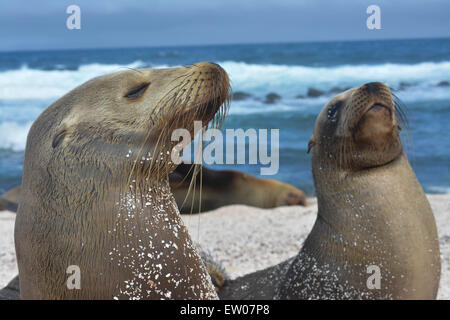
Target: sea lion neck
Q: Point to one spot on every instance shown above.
(352, 189)
(380, 217)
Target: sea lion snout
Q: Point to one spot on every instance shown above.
(371, 95)
(375, 125)
(209, 71)
(198, 95)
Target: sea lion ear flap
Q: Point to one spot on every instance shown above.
(59, 136)
(311, 144)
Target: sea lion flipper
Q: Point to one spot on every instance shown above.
(217, 272)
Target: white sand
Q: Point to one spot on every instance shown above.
(246, 239)
(8, 265)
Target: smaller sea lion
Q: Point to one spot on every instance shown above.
(225, 187)
(374, 220)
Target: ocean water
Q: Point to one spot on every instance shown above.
(418, 71)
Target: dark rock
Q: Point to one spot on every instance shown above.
(335, 90)
(272, 98)
(443, 84)
(338, 89)
(11, 291)
(314, 93)
(403, 85)
(240, 95)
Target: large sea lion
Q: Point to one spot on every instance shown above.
(375, 235)
(95, 207)
(225, 187)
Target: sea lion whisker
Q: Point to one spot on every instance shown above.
(200, 202)
(177, 87)
(132, 69)
(194, 183)
(164, 133)
(200, 194)
(401, 112)
(190, 183)
(401, 109)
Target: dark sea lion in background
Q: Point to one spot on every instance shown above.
(10, 200)
(219, 188)
(372, 213)
(222, 188)
(95, 190)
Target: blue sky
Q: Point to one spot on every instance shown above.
(28, 25)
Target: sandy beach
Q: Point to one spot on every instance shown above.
(245, 239)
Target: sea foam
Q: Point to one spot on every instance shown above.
(257, 79)
(25, 92)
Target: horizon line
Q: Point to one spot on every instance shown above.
(222, 44)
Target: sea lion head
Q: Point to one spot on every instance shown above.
(133, 113)
(358, 129)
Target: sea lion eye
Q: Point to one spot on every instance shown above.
(137, 92)
(332, 112)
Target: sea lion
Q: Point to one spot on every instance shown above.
(225, 187)
(375, 235)
(95, 205)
